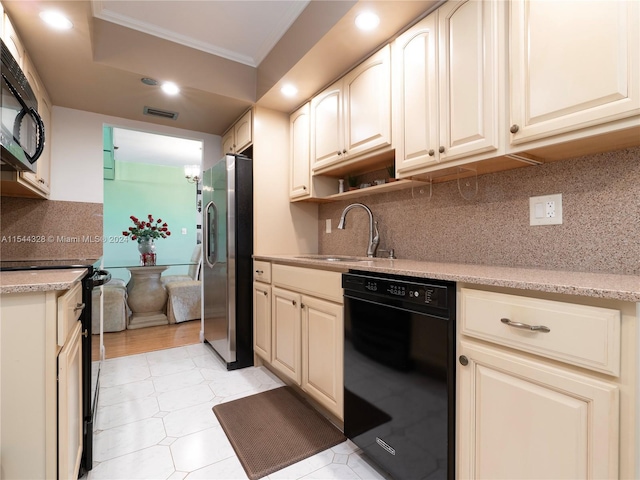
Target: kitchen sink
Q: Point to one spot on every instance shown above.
(332, 258)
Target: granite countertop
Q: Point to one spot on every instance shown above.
(599, 285)
(22, 281)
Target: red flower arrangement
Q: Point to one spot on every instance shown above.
(149, 228)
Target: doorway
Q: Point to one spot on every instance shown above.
(144, 175)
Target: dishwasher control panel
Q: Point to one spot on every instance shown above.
(414, 292)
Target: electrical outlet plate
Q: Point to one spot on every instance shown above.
(328, 225)
(545, 210)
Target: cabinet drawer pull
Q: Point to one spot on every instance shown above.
(259, 272)
(524, 326)
(85, 333)
(514, 129)
(79, 306)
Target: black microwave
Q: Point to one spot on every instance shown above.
(22, 134)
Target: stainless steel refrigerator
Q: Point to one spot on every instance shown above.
(227, 194)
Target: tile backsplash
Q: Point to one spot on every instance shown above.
(32, 229)
(600, 230)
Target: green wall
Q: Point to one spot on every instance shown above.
(141, 189)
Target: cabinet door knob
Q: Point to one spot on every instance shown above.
(464, 361)
(85, 333)
(514, 128)
(304, 187)
(441, 149)
(265, 293)
(339, 152)
(344, 151)
(259, 272)
(293, 302)
(524, 326)
(79, 306)
(302, 305)
(432, 152)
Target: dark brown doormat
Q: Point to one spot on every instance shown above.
(274, 429)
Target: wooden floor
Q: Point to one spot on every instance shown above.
(149, 339)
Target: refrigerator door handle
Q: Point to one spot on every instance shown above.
(211, 234)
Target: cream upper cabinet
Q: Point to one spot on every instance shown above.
(228, 142)
(239, 136)
(353, 116)
(573, 65)
(40, 179)
(448, 77)
(299, 173)
(327, 127)
(525, 419)
(12, 41)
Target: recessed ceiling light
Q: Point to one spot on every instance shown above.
(367, 21)
(170, 88)
(289, 90)
(56, 20)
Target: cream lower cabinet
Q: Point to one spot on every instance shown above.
(41, 384)
(285, 334)
(546, 386)
(525, 419)
(323, 352)
(262, 320)
(70, 419)
(306, 343)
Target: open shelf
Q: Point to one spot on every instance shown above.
(361, 192)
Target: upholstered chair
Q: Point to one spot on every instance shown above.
(115, 309)
(184, 291)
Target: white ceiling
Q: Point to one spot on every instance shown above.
(220, 28)
(244, 31)
(143, 147)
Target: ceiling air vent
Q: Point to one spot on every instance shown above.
(156, 112)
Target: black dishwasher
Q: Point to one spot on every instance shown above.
(399, 372)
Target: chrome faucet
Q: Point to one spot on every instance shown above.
(374, 235)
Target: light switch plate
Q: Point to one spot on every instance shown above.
(545, 210)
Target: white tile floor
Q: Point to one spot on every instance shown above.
(155, 421)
